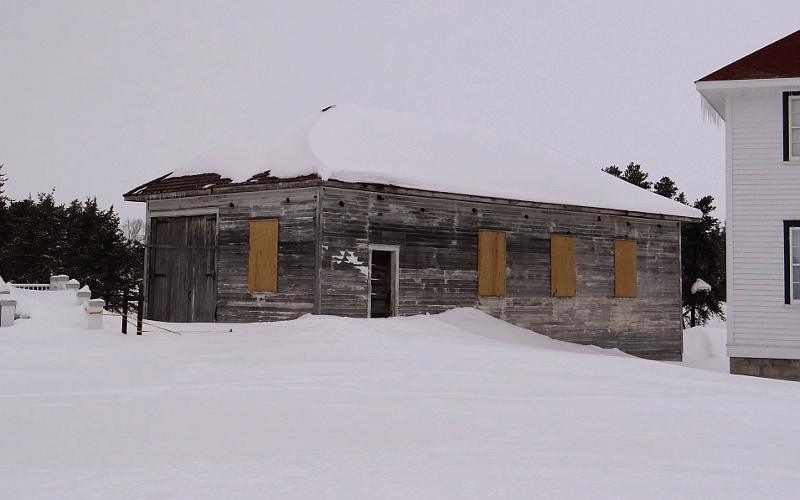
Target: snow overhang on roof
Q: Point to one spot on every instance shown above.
(357, 145)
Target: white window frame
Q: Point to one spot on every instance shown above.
(794, 103)
(395, 283)
(792, 298)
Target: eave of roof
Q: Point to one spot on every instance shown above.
(311, 181)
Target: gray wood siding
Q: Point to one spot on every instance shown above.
(296, 250)
(322, 262)
(438, 266)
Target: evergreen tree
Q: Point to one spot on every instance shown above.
(666, 187)
(3, 180)
(635, 175)
(703, 257)
(42, 238)
(32, 239)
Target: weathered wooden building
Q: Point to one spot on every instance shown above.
(313, 226)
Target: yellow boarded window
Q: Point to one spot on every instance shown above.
(562, 265)
(492, 263)
(625, 268)
(263, 263)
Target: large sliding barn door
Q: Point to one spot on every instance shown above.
(182, 279)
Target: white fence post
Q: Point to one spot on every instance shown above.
(83, 295)
(8, 310)
(72, 284)
(94, 312)
(59, 282)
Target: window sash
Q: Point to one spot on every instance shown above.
(794, 127)
(793, 262)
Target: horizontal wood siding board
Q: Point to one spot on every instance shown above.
(296, 251)
(763, 194)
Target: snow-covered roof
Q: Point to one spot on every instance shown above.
(353, 144)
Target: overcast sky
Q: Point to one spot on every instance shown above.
(100, 96)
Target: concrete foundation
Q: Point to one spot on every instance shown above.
(783, 369)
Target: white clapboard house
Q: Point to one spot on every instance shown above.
(758, 97)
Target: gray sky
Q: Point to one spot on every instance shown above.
(100, 96)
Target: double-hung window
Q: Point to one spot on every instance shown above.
(791, 126)
(791, 260)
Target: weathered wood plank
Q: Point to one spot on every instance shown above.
(439, 266)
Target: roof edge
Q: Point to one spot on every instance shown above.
(392, 189)
(748, 83)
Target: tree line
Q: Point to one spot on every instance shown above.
(702, 247)
(40, 237)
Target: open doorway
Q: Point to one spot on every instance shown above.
(383, 266)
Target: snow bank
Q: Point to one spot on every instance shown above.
(705, 347)
(353, 144)
(457, 405)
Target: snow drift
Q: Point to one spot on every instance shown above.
(353, 144)
(457, 405)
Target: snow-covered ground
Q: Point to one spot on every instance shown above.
(458, 405)
(705, 346)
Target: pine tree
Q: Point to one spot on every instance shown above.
(666, 187)
(42, 238)
(635, 175)
(703, 257)
(3, 180)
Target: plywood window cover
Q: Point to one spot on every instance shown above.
(625, 269)
(563, 266)
(263, 256)
(492, 264)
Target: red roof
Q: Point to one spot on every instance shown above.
(780, 59)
